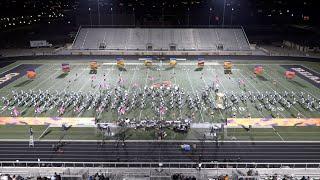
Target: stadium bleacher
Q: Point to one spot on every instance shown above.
(206, 39)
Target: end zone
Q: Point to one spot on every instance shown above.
(270, 122)
(53, 121)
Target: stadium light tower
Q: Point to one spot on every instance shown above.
(188, 17)
(134, 17)
(111, 16)
(224, 10)
(98, 11)
(90, 16)
(209, 23)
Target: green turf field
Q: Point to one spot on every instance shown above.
(137, 76)
(231, 134)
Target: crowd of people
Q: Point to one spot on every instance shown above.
(161, 101)
(180, 176)
(288, 177)
(55, 176)
(99, 176)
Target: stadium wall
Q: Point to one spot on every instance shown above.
(135, 57)
(157, 53)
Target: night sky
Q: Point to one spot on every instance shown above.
(15, 13)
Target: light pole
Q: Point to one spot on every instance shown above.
(162, 14)
(98, 12)
(134, 17)
(209, 17)
(111, 17)
(90, 17)
(224, 10)
(188, 16)
(231, 15)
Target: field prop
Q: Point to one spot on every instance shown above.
(258, 70)
(148, 62)
(31, 74)
(120, 64)
(65, 68)
(227, 65)
(93, 67)
(290, 75)
(200, 64)
(172, 63)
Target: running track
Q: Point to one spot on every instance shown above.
(163, 152)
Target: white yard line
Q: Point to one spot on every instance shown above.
(238, 87)
(160, 81)
(175, 82)
(299, 87)
(53, 84)
(13, 88)
(211, 69)
(133, 76)
(251, 103)
(256, 90)
(276, 132)
(85, 83)
(283, 88)
(31, 89)
(107, 75)
(43, 132)
(145, 84)
(42, 83)
(205, 83)
(11, 68)
(35, 87)
(194, 94)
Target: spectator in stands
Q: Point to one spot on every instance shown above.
(226, 177)
(57, 176)
(53, 177)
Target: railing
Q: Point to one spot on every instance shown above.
(161, 26)
(187, 165)
(245, 35)
(74, 40)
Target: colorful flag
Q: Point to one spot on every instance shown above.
(93, 65)
(61, 110)
(31, 74)
(65, 68)
(16, 112)
(290, 74)
(258, 70)
(38, 110)
(120, 62)
(151, 78)
(122, 110)
(200, 62)
(162, 110)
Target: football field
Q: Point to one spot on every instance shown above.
(185, 75)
